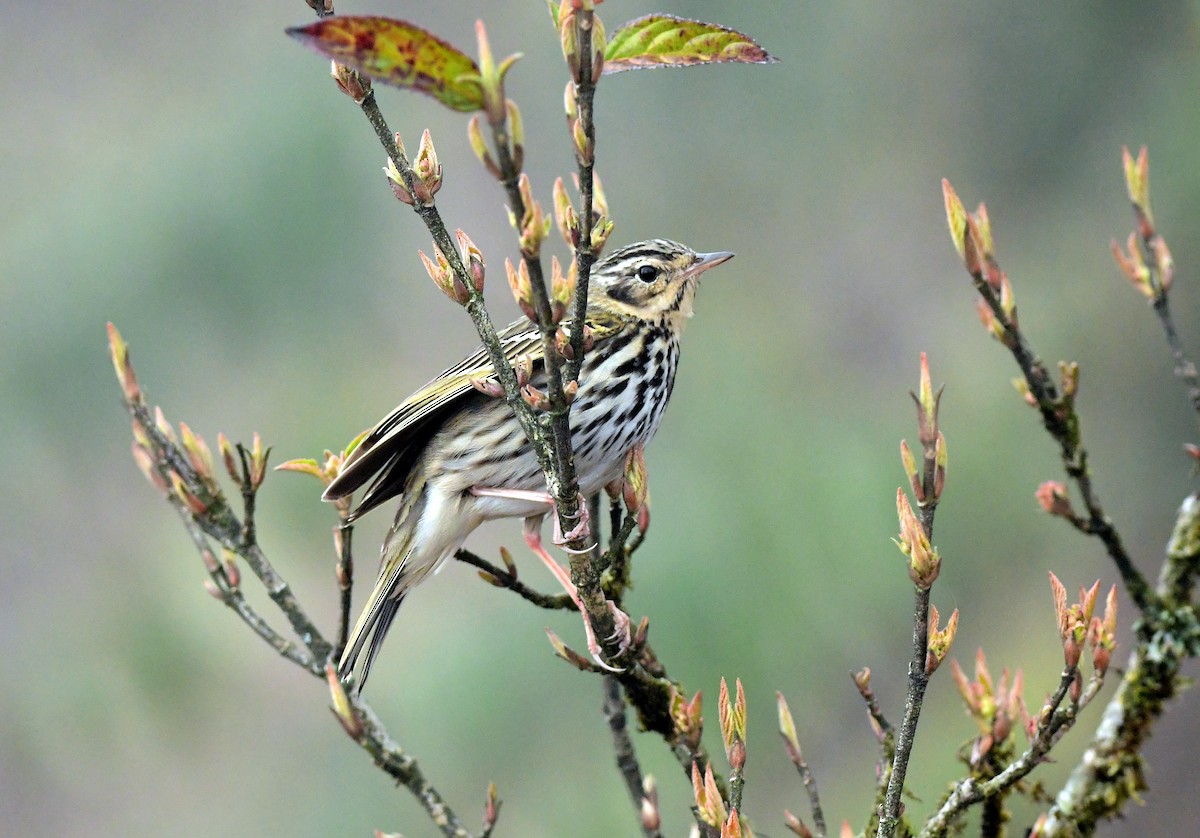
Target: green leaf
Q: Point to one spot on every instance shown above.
(664, 41)
(397, 53)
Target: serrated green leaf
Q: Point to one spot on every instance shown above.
(665, 41)
(397, 53)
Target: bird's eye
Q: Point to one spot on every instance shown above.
(647, 273)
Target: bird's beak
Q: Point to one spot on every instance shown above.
(704, 261)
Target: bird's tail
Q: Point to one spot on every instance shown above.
(395, 578)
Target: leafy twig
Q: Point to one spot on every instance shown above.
(916, 537)
(972, 236)
(1111, 770)
(503, 578)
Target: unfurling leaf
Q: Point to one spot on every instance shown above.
(397, 53)
(664, 41)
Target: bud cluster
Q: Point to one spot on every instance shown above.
(972, 237)
(710, 806)
(994, 706)
(732, 715)
(349, 81)
(426, 173)
(1079, 627)
(687, 719)
(1148, 266)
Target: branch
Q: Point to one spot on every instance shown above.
(363, 726)
(344, 573)
(1054, 724)
(923, 567)
(1185, 369)
(972, 236)
(627, 763)
(502, 578)
(1111, 770)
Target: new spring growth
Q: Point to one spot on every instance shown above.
(686, 717)
(923, 559)
(257, 456)
(533, 226)
(123, 366)
(993, 706)
(568, 654)
(1073, 620)
(479, 146)
(568, 36)
(732, 715)
(522, 287)
(562, 289)
(602, 226)
(571, 103)
(229, 458)
(341, 703)
(444, 277)
(787, 729)
(350, 82)
(1052, 497)
(1137, 186)
(565, 216)
(732, 828)
(651, 820)
(1077, 625)
(472, 259)
(229, 566)
(710, 807)
(491, 76)
(796, 825)
(516, 133)
(427, 171)
(635, 488)
(927, 403)
(186, 496)
(395, 179)
(491, 807)
(940, 639)
(1152, 275)
(198, 455)
(1102, 633)
(1134, 267)
(972, 237)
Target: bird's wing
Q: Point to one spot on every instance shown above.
(391, 448)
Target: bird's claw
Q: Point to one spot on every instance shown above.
(577, 532)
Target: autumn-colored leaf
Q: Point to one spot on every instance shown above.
(397, 53)
(664, 41)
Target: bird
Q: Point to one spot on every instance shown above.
(457, 457)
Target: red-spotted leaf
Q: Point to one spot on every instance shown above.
(397, 53)
(664, 41)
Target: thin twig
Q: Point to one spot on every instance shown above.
(814, 797)
(344, 572)
(906, 733)
(1185, 370)
(627, 763)
(231, 596)
(585, 255)
(396, 762)
(1062, 422)
(1111, 770)
(220, 524)
(501, 578)
(970, 791)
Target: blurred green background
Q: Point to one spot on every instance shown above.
(191, 174)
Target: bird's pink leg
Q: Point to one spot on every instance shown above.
(533, 538)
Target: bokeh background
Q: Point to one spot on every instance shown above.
(191, 174)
